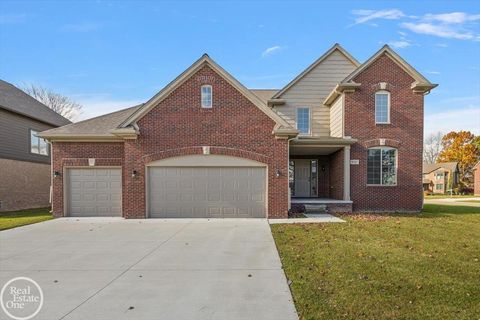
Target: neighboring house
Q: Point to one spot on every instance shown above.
(345, 134)
(476, 179)
(24, 157)
(440, 177)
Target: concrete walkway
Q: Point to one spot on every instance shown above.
(310, 218)
(150, 269)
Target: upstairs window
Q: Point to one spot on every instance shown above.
(38, 145)
(382, 107)
(206, 96)
(303, 120)
(382, 166)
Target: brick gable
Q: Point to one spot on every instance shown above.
(406, 130)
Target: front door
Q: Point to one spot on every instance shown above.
(302, 178)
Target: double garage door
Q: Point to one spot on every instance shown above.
(207, 192)
(172, 192)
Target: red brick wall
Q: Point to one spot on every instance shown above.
(476, 181)
(179, 126)
(405, 133)
(76, 154)
(336, 175)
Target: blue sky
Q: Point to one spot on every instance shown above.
(112, 54)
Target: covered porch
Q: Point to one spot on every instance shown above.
(319, 173)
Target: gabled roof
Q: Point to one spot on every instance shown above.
(336, 47)
(95, 128)
(419, 79)
(420, 84)
(430, 167)
(206, 60)
(15, 100)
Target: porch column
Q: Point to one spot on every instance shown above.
(346, 173)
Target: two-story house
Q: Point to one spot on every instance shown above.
(440, 178)
(342, 133)
(25, 177)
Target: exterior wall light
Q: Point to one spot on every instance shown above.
(134, 173)
(56, 174)
(278, 173)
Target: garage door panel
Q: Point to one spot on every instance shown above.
(94, 192)
(207, 192)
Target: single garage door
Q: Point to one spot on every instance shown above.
(207, 192)
(94, 192)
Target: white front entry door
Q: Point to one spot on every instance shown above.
(302, 178)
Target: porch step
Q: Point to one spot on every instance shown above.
(316, 208)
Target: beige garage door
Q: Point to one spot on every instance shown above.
(207, 192)
(94, 192)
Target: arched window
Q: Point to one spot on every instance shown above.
(382, 107)
(206, 96)
(382, 166)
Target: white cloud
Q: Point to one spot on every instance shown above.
(368, 15)
(443, 31)
(81, 27)
(452, 17)
(400, 44)
(269, 51)
(458, 119)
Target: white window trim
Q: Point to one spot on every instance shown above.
(309, 121)
(47, 145)
(211, 96)
(396, 168)
(388, 106)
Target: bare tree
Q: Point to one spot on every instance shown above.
(59, 103)
(432, 147)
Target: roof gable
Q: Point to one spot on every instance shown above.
(335, 48)
(420, 80)
(204, 60)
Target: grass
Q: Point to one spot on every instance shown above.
(15, 219)
(423, 266)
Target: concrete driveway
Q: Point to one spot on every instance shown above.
(150, 269)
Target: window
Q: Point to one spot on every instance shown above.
(206, 93)
(439, 186)
(382, 166)
(38, 145)
(439, 175)
(382, 107)
(303, 120)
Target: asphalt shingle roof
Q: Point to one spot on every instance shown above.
(15, 100)
(429, 167)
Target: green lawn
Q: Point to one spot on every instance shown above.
(423, 266)
(14, 219)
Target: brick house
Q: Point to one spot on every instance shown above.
(343, 134)
(440, 178)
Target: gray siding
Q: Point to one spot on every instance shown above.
(312, 89)
(336, 118)
(15, 137)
